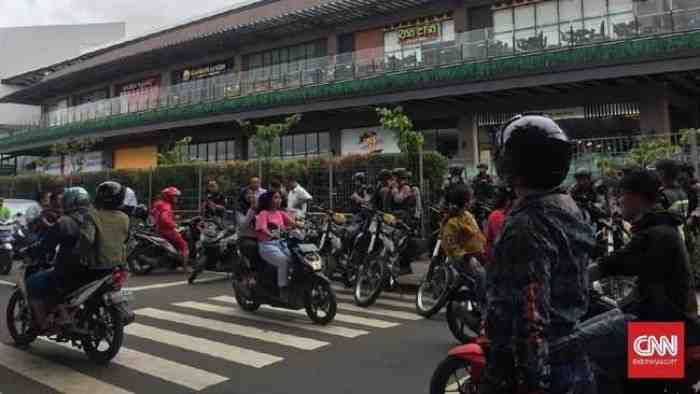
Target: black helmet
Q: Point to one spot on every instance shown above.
(534, 148)
(642, 182)
(384, 174)
(583, 173)
(459, 195)
(401, 173)
(110, 195)
(668, 169)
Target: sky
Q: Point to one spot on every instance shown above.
(141, 16)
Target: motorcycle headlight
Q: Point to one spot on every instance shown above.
(314, 261)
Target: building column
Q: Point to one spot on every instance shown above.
(468, 140)
(461, 18)
(654, 110)
(336, 142)
(332, 46)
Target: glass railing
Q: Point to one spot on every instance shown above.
(471, 46)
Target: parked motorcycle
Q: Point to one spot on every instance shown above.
(343, 245)
(7, 232)
(99, 312)
(255, 281)
(434, 288)
(216, 250)
(392, 244)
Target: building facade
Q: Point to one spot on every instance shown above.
(460, 68)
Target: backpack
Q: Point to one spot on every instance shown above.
(88, 238)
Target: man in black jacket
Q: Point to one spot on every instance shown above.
(657, 256)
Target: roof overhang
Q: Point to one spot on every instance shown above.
(125, 58)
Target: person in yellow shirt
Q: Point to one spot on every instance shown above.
(462, 240)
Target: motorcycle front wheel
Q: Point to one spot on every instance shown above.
(370, 280)
(463, 319)
(19, 320)
(453, 375)
(246, 303)
(434, 288)
(5, 261)
(106, 333)
(320, 302)
(136, 267)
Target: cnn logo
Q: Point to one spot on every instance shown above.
(655, 350)
(649, 345)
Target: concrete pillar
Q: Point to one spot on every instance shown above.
(242, 147)
(336, 141)
(654, 110)
(332, 46)
(468, 140)
(461, 18)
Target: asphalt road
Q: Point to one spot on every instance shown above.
(195, 339)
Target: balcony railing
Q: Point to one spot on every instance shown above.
(468, 47)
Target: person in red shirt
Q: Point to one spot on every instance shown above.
(164, 220)
(497, 219)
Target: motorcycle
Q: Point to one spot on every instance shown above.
(461, 370)
(7, 232)
(147, 250)
(434, 288)
(612, 234)
(255, 281)
(99, 312)
(216, 250)
(341, 246)
(392, 244)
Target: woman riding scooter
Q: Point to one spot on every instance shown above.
(164, 220)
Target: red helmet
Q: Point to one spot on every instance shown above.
(169, 193)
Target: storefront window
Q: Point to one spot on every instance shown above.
(617, 6)
(503, 20)
(524, 17)
(594, 8)
(324, 142)
(274, 64)
(230, 150)
(312, 142)
(570, 10)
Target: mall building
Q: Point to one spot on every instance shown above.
(459, 68)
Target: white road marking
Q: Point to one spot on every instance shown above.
(171, 284)
(406, 297)
(180, 374)
(231, 353)
(397, 304)
(338, 317)
(286, 321)
(379, 312)
(234, 329)
(53, 375)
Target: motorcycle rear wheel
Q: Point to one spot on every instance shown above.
(453, 375)
(370, 281)
(24, 335)
(436, 287)
(320, 298)
(246, 303)
(106, 326)
(5, 262)
(464, 322)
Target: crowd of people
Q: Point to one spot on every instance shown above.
(531, 258)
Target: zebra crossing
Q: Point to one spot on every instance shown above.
(164, 344)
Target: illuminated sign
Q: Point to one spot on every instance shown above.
(204, 72)
(427, 32)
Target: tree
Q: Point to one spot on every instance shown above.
(267, 137)
(652, 150)
(75, 150)
(410, 141)
(176, 155)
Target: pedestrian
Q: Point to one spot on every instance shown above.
(537, 288)
(297, 200)
(670, 171)
(505, 199)
(254, 186)
(214, 204)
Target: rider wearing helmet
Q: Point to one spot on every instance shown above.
(404, 198)
(164, 220)
(112, 225)
(47, 287)
(362, 196)
(382, 198)
(536, 284)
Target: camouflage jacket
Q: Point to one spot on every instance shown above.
(537, 289)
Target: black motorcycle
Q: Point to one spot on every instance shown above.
(99, 313)
(343, 245)
(148, 250)
(435, 287)
(216, 250)
(255, 281)
(393, 244)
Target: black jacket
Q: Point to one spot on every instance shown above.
(657, 256)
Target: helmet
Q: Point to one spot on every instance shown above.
(534, 148)
(74, 198)
(668, 169)
(401, 173)
(384, 174)
(110, 195)
(459, 195)
(583, 173)
(169, 193)
(359, 177)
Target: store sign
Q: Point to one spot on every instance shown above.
(89, 162)
(211, 70)
(139, 87)
(426, 32)
(365, 141)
